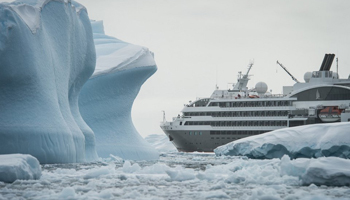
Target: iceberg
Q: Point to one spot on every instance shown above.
(19, 166)
(310, 141)
(47, 53)
(106, 99)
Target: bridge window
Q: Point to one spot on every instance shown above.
(324, 93)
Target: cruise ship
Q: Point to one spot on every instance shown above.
(240, 112)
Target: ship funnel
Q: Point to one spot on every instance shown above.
(327, 62)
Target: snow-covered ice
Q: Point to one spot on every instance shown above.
(310, 141)
(187, 176)
(47, 54)
(161, 143)
(106, 99)
(18, 167)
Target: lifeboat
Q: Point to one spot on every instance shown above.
(330, 114)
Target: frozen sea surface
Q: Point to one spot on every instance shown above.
(173, 176)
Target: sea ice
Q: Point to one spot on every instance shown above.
(18, 167)
(47, 54)
(181, 176)
(310, 141)
(106, 99)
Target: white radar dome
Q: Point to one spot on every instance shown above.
(307, 77)
(261, 88)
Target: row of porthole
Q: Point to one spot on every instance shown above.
(251, 104)
(193, 143)
(225, 138)
(195, 133)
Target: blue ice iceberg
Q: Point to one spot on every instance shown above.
(106, 99)
(310, 141)
(47, 53)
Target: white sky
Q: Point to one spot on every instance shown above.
(198, 43)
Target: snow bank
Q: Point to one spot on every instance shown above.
(311, 141)
(106, 100)
(47, 54)
(161, 143)
(18, 166)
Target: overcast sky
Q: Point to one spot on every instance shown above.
(201, 43)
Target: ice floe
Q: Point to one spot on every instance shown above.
(310, 141)
(18, 167)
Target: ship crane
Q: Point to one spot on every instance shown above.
(285, 69)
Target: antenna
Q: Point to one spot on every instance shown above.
(164, 120)
(337, 67)
(250, 66)
(216, 84)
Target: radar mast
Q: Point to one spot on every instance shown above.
(242, 81)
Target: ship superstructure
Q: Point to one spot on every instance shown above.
(228, 115)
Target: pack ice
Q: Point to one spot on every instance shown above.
(18, 166)
(311, 141)
(106, 99)
(46, 54)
